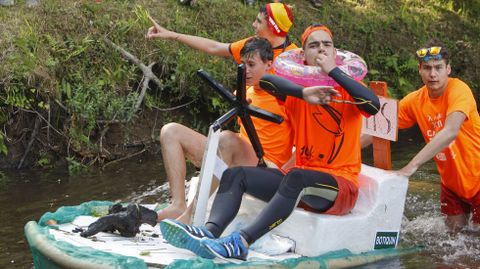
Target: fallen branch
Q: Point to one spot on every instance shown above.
(30, 143)
(102, 135)
(172, 108)
(52, 148)
(110, 121)
(45, 120)
(152, 134)
(49, 119)
(61, 105)
(146, 70)
(124, 158)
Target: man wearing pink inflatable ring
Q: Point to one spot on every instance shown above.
(291, 65)
(326, 122)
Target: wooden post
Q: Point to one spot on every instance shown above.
(382, 157)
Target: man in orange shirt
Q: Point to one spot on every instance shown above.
(273, 22)
(446, 112)
(179, 142)
(327, 159)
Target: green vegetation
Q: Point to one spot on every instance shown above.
(57, 69)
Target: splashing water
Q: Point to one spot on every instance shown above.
(427, 227)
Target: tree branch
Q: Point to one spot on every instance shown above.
(30, 143)
(146, 70)
(45, 120)
(124, 158)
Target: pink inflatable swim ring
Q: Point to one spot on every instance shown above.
(290, 65)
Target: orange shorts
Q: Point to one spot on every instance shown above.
(346, 197)
(344, 202)
(452, 204)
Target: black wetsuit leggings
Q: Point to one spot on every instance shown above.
(272, 186)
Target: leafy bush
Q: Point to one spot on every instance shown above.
(57, 67)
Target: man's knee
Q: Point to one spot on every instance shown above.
(231, 176)
(228, 145)
(292, 184)
(170, 131)
(175, 132)
(236, 151)
(228, 139)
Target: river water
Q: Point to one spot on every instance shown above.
(26, 195)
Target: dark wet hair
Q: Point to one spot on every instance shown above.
(263, 10)
(434, 42)
(258, 45)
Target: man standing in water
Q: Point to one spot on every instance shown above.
(446, 112)
(447, 115)
(179, 142)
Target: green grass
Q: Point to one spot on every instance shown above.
(54, 62)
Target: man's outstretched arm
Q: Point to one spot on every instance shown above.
(209, 46)
(281, 88)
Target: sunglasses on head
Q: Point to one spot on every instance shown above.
(426, 54)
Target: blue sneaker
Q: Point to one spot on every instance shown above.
(227, 247)
(185, 236)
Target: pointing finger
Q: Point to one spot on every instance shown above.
(155, 24)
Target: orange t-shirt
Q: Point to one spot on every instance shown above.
(327, 138)
(236, 47)
(458, 164)
(276, 139)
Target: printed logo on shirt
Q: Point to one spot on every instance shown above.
(331, 121)
(436, 123)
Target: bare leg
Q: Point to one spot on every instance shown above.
(187, 215)
(178, 143)
(234, 151)
(456, 222)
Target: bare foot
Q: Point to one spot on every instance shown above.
(170, 212)
(186, 217)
